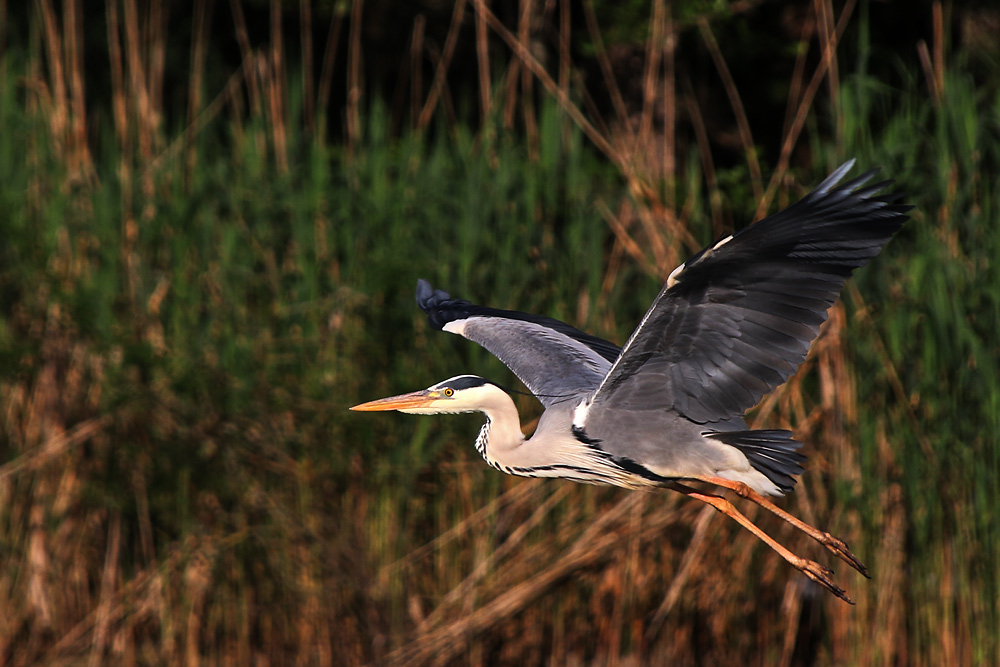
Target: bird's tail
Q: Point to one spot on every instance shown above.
(770, 452)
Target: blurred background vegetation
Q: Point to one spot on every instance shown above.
(213, 217)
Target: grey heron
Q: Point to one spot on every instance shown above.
(729, 326)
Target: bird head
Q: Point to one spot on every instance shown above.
(462, 393)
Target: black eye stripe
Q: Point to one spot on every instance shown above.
(466, 382)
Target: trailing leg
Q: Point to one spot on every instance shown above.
(835, 545)
(815, 571)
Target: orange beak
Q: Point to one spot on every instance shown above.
(415, 399)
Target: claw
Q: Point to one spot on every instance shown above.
(824, 577)
(841, 551)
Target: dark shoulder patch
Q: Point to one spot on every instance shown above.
(580, 434)
(628, 465)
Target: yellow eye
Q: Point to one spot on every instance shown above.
(449, 392)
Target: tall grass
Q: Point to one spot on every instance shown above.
(187, 313)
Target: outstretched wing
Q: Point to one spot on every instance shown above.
(737, 319)
(555, 361)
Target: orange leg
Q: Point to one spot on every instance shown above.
(821, 575)
(835, 545)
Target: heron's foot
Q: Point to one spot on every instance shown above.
(822, 576)
(841, 551)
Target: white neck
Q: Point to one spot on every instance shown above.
(551, 452)
(501, 434)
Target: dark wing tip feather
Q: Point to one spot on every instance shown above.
(439, 305)
(835, 225)
(838, 174)
(425, 293)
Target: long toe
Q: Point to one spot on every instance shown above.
(841, 550)
(824, 577)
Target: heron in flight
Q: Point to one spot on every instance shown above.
(730, 325)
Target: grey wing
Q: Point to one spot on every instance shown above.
(555, 361)
(737, 319)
